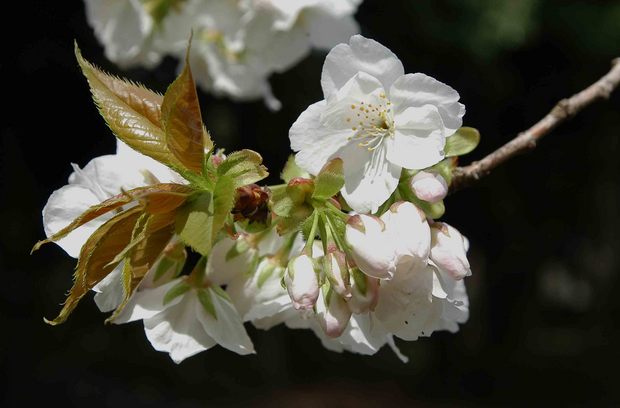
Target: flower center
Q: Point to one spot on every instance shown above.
(372, 123)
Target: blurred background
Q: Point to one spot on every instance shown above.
(543, 228)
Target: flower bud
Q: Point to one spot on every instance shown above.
(337, 272)
(448, 248)
(302, 282)
(429, 186)
(371, 248)
(409, 233)
(364, 292)
(333, 313)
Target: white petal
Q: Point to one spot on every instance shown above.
(147, 303)
(227, 329)
(365, 335)
(315, 143)
(396, 350)
(64, 206)
(372, 248)
(177, 332)
(221, 270)
(360, 55)
(416, 90)
(448, 251)
(138, 164)
(404, 301)
(415, 149)
(409, 233)
(370, 178)
(110, 290)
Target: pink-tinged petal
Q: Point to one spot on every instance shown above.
(448, 251)
(417, 90)
(429, 186)
(360, 55)
(372, 249)
(302, 282)
(333, 314)
(176, 331)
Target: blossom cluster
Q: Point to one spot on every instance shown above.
(238, 44)
(349, 246)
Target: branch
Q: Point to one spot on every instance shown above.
(526, 141)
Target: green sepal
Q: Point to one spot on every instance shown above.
(465, 140)
(204, 296)
(265, 274)
(177, 290)
(360, 280)
(329, 181)
(243, 167)
(445, 168)
(292, 170)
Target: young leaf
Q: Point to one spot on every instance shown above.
(131, 111)
(292, 170)
(243, 167)
(185, 135)
(194, 222)
(329, 181)
(158, 198)
(462, 142)
(94, 261)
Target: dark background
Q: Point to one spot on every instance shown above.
(543, 228)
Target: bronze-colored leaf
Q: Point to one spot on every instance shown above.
(131, 111)
(95, 256)
(158, 198)
(185, 135)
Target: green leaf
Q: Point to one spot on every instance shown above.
(202, 218)
(292, 170)
(95, 256)
(329, 181)
(462, 142)
(186, 137)
(177, 290)
(243, 167)
(204, 296)
(132, 112)
(194, 222)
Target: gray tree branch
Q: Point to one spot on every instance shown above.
(527, 140)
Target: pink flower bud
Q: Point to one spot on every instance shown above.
(337, 271)
(448, 248)
(302, 282)
(409, 232)
(429, 186)
(333, 313)
(371, 247)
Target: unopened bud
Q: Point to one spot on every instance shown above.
(448, 248)
(333, 313)
(302, 282)
(371, 248)
(429, 186)
(337, 272)
(251, 204)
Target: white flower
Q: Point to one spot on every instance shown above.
(102, 178)
(377, 119)
(186, 325)
(429, 186)
(124, 28)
